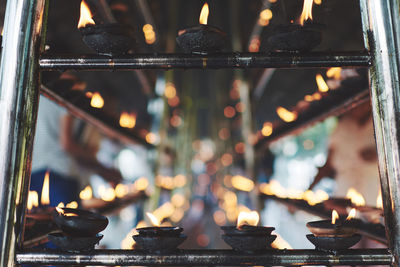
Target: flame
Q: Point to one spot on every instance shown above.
(60, 205)
(149, 34)
(247, 218)
(153, 219)
(44, 198)
(204, 14)
(33, 200)
(97, 101)
(86, 16)
(121, 190)
(106, 194)
(127, 120)
(335, 216)
(86, 193)
(307, 11)
(72, 205)
(265, 17)
(356, 198)
(280, 243)
(379, 201)
(352, 214)
(286, 115)
(267, 129)
(334, 73)
(322, 86)
(60, 210)
(242, 183)
(164, 211)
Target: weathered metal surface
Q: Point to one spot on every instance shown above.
(19, 96)
(187, 61)
(209, 258)
(381, 24)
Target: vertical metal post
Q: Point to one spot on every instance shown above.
(19, 96)
(380, 23)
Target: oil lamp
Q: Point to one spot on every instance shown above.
(297, 37)
(80, 229)
(246, 236)
(203, 39)
(106, 39)
(334, 234)
(158, 239)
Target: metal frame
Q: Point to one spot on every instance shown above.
(19, 91)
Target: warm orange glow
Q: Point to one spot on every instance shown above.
(72, 205)
(265, 17)
(60, 211)
(322, 86)
(164, 211)
(127, 120)
(335, 216)
(229, 112)
(317, 2)
(141, 184)
(86, 16)
(352, 214)
(33, 200)
(267, 129)
(226, 159)
(219, 217)
(286, 115)
(97, 100)
(254, 46)
(165, 182)
(247, 218)
(307, 11)
(180, 180)
(151, 138)
(45, 199)
(280, 243)
(106, 194)
(149, 34)
(121, 190)
(86, 193)
(68, 214)
(242, 183)
(379, 201)
(204, 14)
(61, 205)
(178, 200)
(170, 91)
(334, 73)
(355, 197)
(153, 219)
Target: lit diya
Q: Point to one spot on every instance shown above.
(80, 229)
(297, 37)
(203, 39)
(247, 236)
(334, 234)
(158, 239)
(106, 39)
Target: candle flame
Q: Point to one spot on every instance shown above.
(204, 14)
(45, 199)
(106, 194)
(149, 34)
(335, 216)
(247, 218)
(153, 219)
(86, 193)
(267, 129)
(127, 120)
(242, 183)
(379, 201)
(60, 205)
(72, 205)
(352, 214)
(60, 210)
(334, 72)
(322, 86)
(33, 199)
(85, 17)
(355, 197)
(286, 115)
(307, 11)
(97, 100)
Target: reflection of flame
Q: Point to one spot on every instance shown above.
(322, 86)
(334, 73)
(97, 101)
(355, 197)
(204, 14)
(149, 34)
(286, 115)
(153, 219)
(127, 120)
(141, 184)
(86, 193)
(33, 199)
(106, 194)
(86, 16)
(307, 11)
(379, 202)
(242, 183)
(60, 205)
(121, 190)
(45, 199)
(267, 129)
(335, 216)
(352, 214)
(247, 218)
(72, 205)
(265, 17)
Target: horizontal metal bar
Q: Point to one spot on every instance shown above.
(216, 61)
(208, 258)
